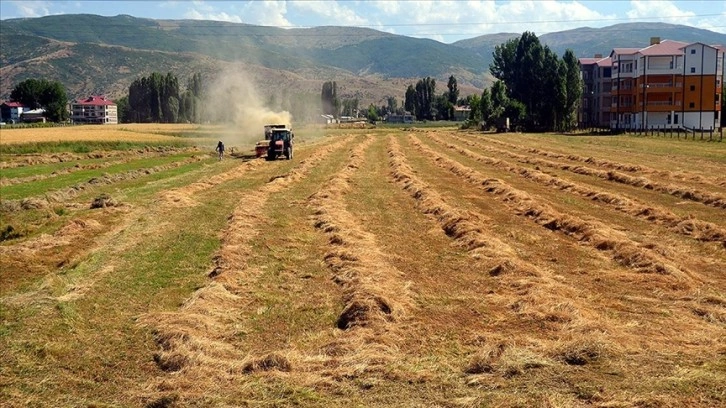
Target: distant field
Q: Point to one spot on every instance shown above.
(380, 267)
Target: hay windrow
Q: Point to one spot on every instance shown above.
(195, 340)
(689, 226)
(536, 297)
(611, 165)
(687, 193)
(375, 298)
(63, 195)
(594, 233)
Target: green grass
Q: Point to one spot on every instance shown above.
(39, 187)
(81, 147)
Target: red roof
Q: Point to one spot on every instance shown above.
(666, 47)
(14, 104)
(605, 62)
(95, 101)
(625, 51)
(600, 62)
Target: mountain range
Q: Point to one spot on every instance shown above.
(92, 54)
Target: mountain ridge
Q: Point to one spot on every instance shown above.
(96, 54)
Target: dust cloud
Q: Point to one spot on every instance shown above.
(233, 101)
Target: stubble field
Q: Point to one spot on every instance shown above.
(380, 267)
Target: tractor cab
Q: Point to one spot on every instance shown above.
(280, 144)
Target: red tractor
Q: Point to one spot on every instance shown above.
(281, 141)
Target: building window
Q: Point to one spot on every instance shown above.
(675, 119)
(693, 87)
(692, 105)
(693, 51)
(668, 119)
(693, 70)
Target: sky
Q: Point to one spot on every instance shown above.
(444, 21)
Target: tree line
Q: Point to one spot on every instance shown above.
(158, 99)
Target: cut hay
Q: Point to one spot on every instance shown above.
(272, 361)
(624, 251)
(195, 340)
(700, 230)
(103, 201)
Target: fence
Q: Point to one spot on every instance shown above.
(710, 134)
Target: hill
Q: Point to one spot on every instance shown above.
(348, 55)
(587, 41)
(102, 55)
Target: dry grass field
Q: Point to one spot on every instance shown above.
(420, 267)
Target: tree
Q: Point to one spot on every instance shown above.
(410, 100)
(474, 103)
(504, 54)
(574, 87)
(156, 98)
(41, 93)
(372, 114)
(55, 102)
(329, 99)
(122, 109)
(442, 108)
(499, 100)
(350, 107)
(486, 108)
(548, 88)
(453, 95)
(424, 99)
(392, 104)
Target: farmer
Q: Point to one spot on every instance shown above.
(220, 149)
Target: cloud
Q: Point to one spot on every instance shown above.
(448, 20)
(32, 8)
(332, 11)
(268, 13)
(210, 14)
(662, 10)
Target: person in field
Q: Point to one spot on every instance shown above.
(220, 149)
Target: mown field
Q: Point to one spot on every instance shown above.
(380, 267)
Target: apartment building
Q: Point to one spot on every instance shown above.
(94, 109)
(594, 108)
(666, 85)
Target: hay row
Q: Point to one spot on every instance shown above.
(196, 340)
(607, 164)
(374, 298)
(689, 226)
(62, 195)
(23, 160)
(643, 258)
(686, 193)
(535, 296)
(78, 167)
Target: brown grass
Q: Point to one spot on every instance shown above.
(698, 229)
(87, 133)
(624, 251)
(373, 270)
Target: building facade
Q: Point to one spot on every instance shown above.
(669, 84)
(594, 108)
(94, 109)
(10, 112)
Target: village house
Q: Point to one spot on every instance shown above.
(10, 112)
(94, 109)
